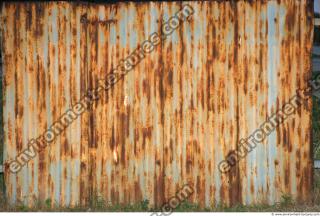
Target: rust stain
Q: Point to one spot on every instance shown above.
(171, 119)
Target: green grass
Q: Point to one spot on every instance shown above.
(316, 127)
(99, 205)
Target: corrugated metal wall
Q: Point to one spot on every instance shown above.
(174, 117)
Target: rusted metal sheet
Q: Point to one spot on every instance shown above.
(174, 117)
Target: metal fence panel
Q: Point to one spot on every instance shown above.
(173, 118)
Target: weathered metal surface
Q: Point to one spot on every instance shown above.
(171, 120)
